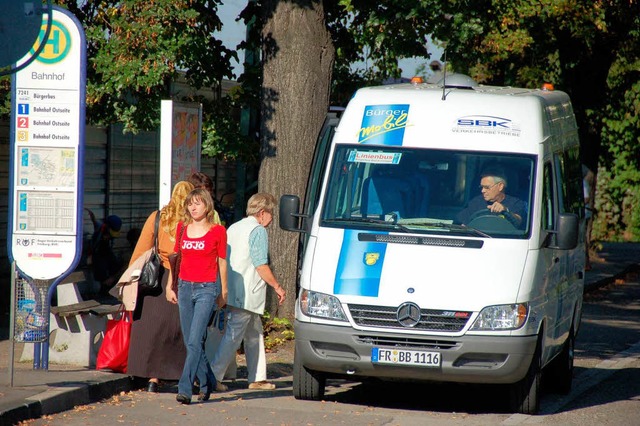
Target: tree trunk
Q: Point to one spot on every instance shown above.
(298, 58)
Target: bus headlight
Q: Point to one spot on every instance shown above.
(320, 305)
(501, 317)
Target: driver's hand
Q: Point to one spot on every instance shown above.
(496, 207)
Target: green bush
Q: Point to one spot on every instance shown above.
(617, 205)
(276, 331)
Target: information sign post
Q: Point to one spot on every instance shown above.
(46, 163)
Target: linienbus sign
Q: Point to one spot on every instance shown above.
(47, 131)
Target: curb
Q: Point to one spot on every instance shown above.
(634, 267)
(63, 398)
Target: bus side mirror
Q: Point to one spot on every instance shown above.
(566, 233)
(289, 213)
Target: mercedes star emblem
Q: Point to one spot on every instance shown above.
(409, 314)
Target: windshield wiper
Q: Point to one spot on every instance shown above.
(451, 226)
(394, 225)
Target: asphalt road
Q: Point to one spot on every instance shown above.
(606, 389)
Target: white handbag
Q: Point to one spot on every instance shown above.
(214, 337)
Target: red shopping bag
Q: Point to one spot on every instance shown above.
(114, 352)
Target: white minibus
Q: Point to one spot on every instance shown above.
(442, 240)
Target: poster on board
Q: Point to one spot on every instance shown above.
(180, 144)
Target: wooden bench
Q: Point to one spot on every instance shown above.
(85, 307)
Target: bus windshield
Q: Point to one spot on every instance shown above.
(416, 190)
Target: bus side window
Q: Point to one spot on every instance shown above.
(548, 215)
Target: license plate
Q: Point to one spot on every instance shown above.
(406, 357)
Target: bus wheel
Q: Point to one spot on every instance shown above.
(524, 396)
(559, 374)
(307, 384)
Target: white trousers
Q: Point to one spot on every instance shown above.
(241, 324)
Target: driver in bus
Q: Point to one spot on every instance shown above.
(493, 200)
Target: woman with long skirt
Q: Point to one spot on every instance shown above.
(157, 350)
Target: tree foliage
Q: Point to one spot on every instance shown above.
(370, 38)
(570, 43)
(138, 50)
(619, 177)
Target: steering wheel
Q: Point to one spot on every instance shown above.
(482, 213)
(485, 219)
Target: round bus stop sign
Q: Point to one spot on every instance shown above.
(19, 28)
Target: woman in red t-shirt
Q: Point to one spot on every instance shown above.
(203, 247)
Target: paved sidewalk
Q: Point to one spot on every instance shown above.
(615, 259)
(38, 392)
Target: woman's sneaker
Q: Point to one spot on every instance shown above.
(263, 385)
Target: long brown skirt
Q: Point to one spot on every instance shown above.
(157, 347)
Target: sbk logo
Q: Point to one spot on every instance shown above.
(193, 245)
(486, 122)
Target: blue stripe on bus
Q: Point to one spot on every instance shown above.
(353, 275)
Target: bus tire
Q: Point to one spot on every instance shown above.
(559, 374)
(524, 395)
(307, 384)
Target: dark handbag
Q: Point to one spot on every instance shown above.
(151, 274)
(174, 261)
(114, 351)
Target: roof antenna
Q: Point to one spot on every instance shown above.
(444, 77)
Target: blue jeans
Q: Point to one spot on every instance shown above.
(196, 303)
